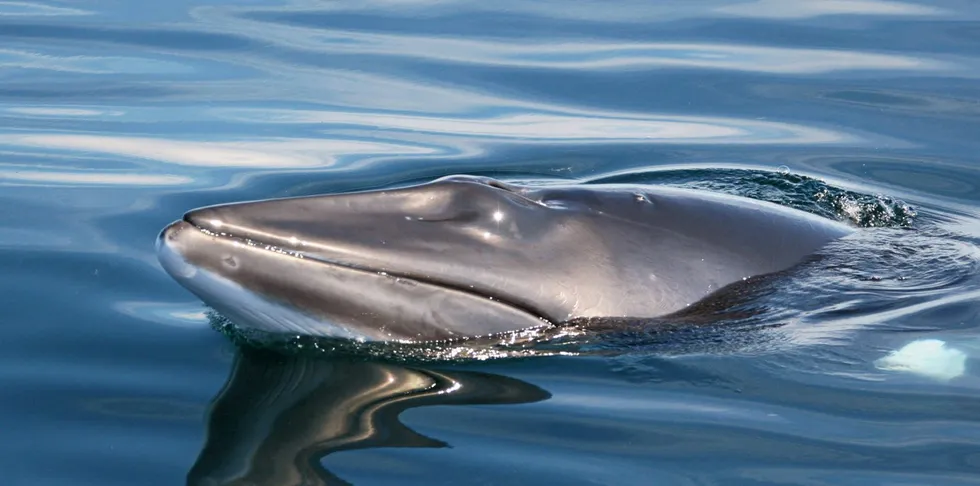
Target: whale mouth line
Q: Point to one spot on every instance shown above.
(414, 279)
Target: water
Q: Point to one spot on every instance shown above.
(116, 117)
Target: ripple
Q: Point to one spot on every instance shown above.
(10, 58)
(906, 103)
(147, 408)
(89, 178)
(170, 39)
(575, 54)
(180, 315)
(843, 476)
(795, 9)
(566, 127)
(625, 12)
(18, 9)
(274, 153)
(42, 111)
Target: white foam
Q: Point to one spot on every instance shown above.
(926, 357)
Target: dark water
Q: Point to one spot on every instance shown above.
(116, 117)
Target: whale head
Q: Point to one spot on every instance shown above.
(467, 256)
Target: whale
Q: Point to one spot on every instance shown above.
(468, 256)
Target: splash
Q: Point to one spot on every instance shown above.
(926, 357)
(521, 344)
(785, 188)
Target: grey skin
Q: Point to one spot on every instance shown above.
(467, 256)
(278, 416)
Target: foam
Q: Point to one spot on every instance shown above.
(926, 357)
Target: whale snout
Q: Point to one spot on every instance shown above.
(168, 250)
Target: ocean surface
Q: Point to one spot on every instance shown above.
(860, 367)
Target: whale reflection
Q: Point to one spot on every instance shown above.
(278, 415)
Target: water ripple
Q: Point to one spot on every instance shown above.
(626, 12)
(790, 9)
(566, 127)
(170, 39)
(281, 153)
(91, 178)
(586, 54)
(86, 64)
(25, 9)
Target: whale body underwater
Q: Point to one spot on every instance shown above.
(469, 256)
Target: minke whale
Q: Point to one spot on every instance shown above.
(469, 256)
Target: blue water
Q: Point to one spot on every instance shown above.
(116, 117)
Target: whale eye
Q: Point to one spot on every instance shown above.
(230, 261)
